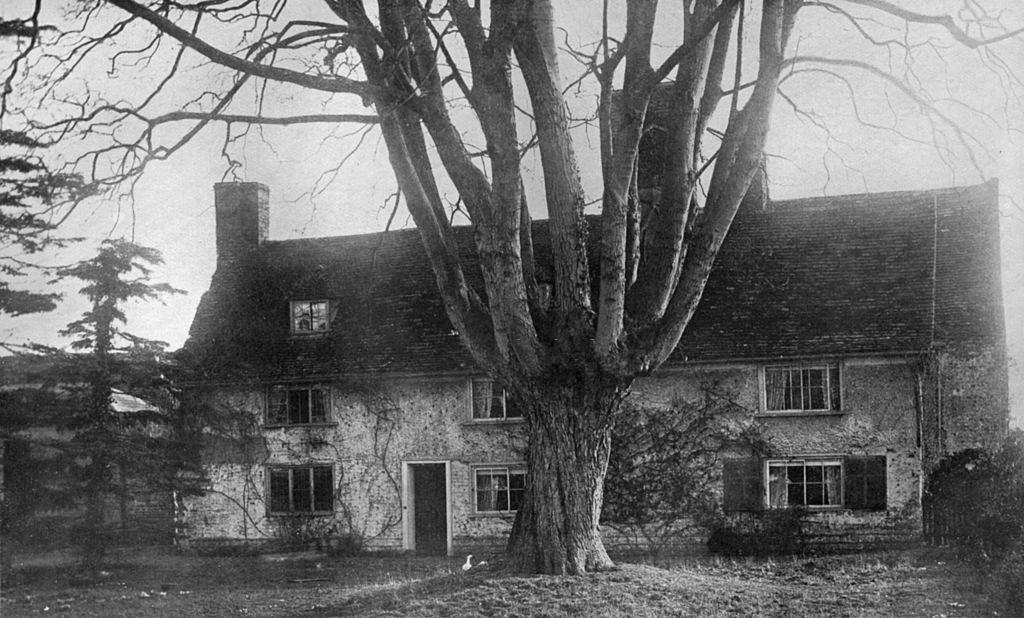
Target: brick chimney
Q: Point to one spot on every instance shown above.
(243, 216)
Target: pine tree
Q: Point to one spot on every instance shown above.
(107, 446)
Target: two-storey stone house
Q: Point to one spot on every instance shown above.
(862, 334)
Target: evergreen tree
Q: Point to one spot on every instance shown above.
(113, 419)
(28, 191)
(106, 442)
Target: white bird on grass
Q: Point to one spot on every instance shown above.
(469, 564)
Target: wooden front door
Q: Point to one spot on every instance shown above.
(430, 509)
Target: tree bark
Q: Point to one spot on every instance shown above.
(557, 529)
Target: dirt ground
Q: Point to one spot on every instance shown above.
(154, 582)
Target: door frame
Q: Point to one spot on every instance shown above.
(408, 502)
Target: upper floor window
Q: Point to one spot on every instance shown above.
(301, 404)
(300, 489)
(802, 388)
(491, 403)
(499, 489)
(309, 316)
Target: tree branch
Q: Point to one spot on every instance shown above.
(944, 21)
(166, 26)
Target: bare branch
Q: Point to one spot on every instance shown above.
(944, 21)
(166, 26)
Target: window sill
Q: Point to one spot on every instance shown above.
(300, 426)
(509, 515)
(305, 514)
(489, 422)
(785, 413)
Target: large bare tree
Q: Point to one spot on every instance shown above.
(437, 75)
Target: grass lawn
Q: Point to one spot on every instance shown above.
(153, 582)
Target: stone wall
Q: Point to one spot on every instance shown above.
(379, 427)
(376, 429)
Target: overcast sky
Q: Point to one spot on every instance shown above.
(172, 207)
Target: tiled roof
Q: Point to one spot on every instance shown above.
(858, 274)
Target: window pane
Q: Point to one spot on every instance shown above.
(517, 489)
(323, 488)
(482, 398)
(277, 406)
(775, 387)
(319, 401)
(816, 398)
(486, 501)
(486, 491)
(815, 496)
(777, 486)
(795, 473)
(795, 494)
(301, 318)
(794, 397)
(814, 473)
(515, 499)
(279, 502)
(298, 406)
(318, 315)
(497, 402)
(302, 491)
(834, 389)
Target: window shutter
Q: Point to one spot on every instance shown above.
(280, 501)
(323, 488)
(743, 488)
(319, 405)
(866, 482)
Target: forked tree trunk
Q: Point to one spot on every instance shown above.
(556, 530)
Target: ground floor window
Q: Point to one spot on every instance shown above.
(805, 483)
(300, 489)
(499, 489)
(853, 482)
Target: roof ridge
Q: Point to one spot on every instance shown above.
(953, 190)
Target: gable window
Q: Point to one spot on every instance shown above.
(499, 489)
(491, 403)
(853, 482)
(302, 404)
(309, 316)
(804, 388)
(300, 489)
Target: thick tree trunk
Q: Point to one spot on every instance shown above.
(557, 526)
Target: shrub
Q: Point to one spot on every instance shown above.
(777, 531)
(974, 500)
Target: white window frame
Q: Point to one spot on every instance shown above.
(509, 469)
(830, 389)
(290, 468)
(821, 460)
(289, 388)
(293, 320)
(504, 418)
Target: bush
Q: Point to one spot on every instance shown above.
(974, 500)
(777, 531)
